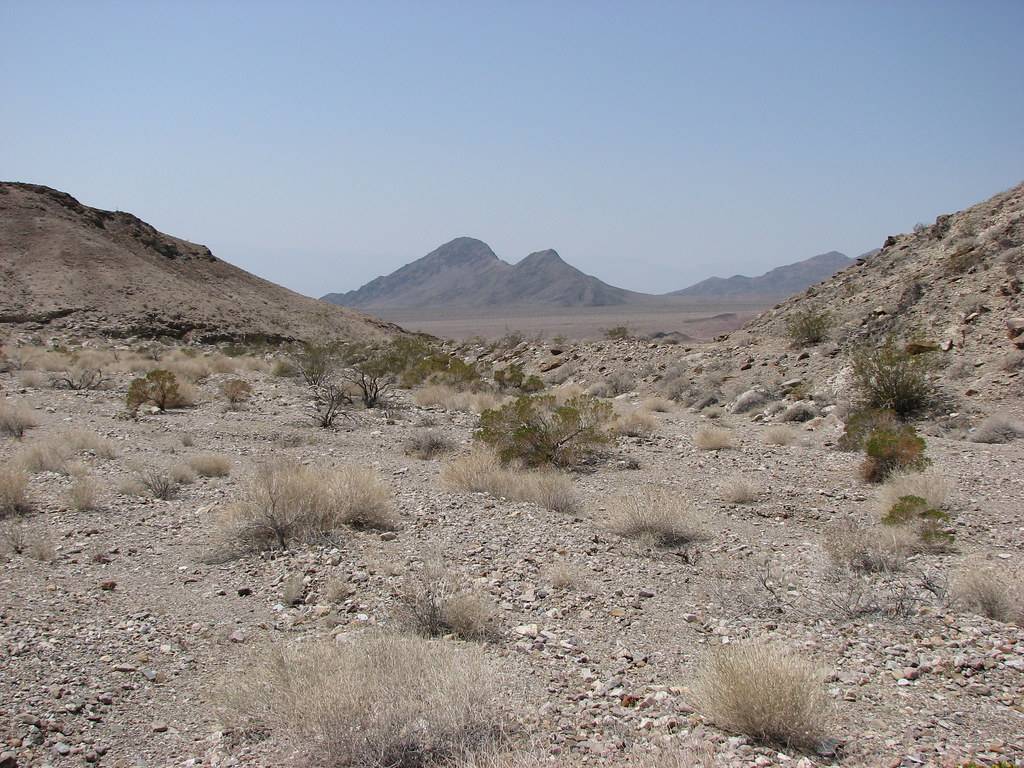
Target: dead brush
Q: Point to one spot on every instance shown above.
(658, 518)
(18, 539)
(989, 592)
(635, 424)
(158, 482)
(434, 603)
(713, 439)
(779, 434)
(874, 549)
(210, 464)
(13, 492)
(16, 419)
(739, 490)
(83, 496)
(481, 472)
(50, 455)
(375, 700)
(935, 489)
(428, 444)
(771, 694)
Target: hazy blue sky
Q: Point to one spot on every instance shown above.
(651, 144)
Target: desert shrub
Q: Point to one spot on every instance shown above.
(210, 465)
(769, 693)
(713, 439)
(76, 378)
(329, 402)
(739, 490)
(779, 435)
(874, 549)
(635, 424)
(892, 450)
(933, 488)
(658, 518)
(749, 400)
(613, 384)
(445, 396)
(535, 430)
(800, 411)
(376, 701)
(159, 388)
(889, 378)
(83, 494)
(860, 423)
(284, 369)
(18, 539)
(51, 455)
(997, 428)
(13, 491)
(564, 575)
(428, 444)
(806, 327)
(182, 474)
(616, 333)
(513, 377)
(434, 603)
(89, 442)
(988, 592)
(158, 482)
(15, 419)
(316, 363)
(286, 502)
(31, 379)
(657, 405)
(481, 472)
(371, 371)
(236, 391)
(916, 514)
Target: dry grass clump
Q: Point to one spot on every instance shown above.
(16, 419)
(635, 424)
(51, 455)
(771, 694)
(83, 496)
(284, 502)
(376, 701)
(934, 489)
(13, 491)
(989, 592)
(182, 474)
(159, 483)
(657, 405)
(563, 575)
(713, 439)
(739, 490)
(82, 440)
(451, 399)
(428, 444)
(481, 472)
(874, 549)
(32, 379)
(997, 428)
(659, 518)
(779, 434)
(210, 464)
(799, 412)
(435, 603)
(17, 539)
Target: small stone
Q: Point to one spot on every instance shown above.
(646, 593)
(108, 586)
(238, 636)
(388, 536)
(159, 726)
(528, 630)
(244, 591)
(61, 748)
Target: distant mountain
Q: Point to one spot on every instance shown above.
(466, 273)
(66, 265)
(777, 284)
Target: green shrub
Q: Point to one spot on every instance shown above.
(890, 450)
(158, 387)
(316, 363)
(537, 431)
(808, 326)
(860, 423)
(617, 333)
(915, 511)
(889, 378)
(513, 377)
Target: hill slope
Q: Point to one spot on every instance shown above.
(776, 284)
(466, 273)
(66, 264)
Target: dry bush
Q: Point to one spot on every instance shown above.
(13, 491)
(17, 539)
(188, 394)
(659, 518)
(771, 694)
(428, 444)
(739, 490)
(481, 472)
(997, 428)
(79, 378)
(435, 603)
(284, 502)
(236, 391)
(376, 701)
(131, 486)
(713, 439)
(51, 455)
(657, 405)
(81, 440)
(190, 369)
(875, 549)
(563, 575)
(210, 464)
(934, 489)
(83, 494)
(800, 411)
(635, 424)
(779, 434)
(451, 399)
(567, 392)
(158, 483)
(16, 419)
(182, 474)
(187, 440)
(988, 592)
(613, 384)
(32, 379)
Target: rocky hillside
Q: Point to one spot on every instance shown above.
(66, 265)
(466, 273)
(776, 284)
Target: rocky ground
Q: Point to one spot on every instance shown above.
(112, 645)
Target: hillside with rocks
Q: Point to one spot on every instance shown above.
(64, 265)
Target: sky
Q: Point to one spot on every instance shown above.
(320, 144)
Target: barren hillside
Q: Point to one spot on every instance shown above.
(66, 265)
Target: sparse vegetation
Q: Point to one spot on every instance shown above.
(934, 488)
(990, 592)
(769, 693)
(481, 472)
(83, 494)
(18, 539)
(656, 518)
(997, 428)
(806, 327)
(435, 603)
(713, 439)
(739, 490)
(613, 384)
(915, 513)
(779, 434)
(428, 444)
(892, 379)
(657, 405)
(874, 549)
(617, 333)
(13, 491)
(236, 392)
(377, 701)
(158, 482)
(890, 450)
(210, 465)
(635, 424)
(159, 388)
(15, 419)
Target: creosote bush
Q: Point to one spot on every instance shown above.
(375, 701)
(890, 378)
(657, 518)
(536, 430)
(806, 327)
(159, 388)
(771, 694)
(889, 450)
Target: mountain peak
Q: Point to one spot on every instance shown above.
(462, 250)
(539, 259)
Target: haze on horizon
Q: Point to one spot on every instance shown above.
(653, 145)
